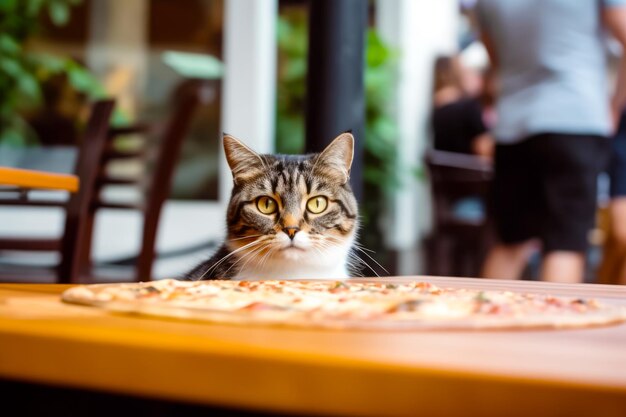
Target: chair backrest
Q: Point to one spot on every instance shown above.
(160, 182)
(460, 238)
(159, 168)
(87, 168)
(454, 176)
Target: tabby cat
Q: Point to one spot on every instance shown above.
(289, 216)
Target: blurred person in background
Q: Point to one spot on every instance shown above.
(447, 85)
(462, 117)
(463, 111)
(554, 117)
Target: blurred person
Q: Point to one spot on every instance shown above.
(462, 123)
(447, 86)
(554, 117)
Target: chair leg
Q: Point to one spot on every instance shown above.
(68, 268)
(148, 249)
(84, 251)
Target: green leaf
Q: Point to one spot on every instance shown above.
(7, 6)
(50, 63)
(29, 88)
(82, 80)
(120, 118)
(283, 31)
(12, 137)
(11, 67)
(295, 70)
(33, 7)
(16, 132)
(59, 12)
(8, 45)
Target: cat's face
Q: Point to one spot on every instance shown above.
(291, 208)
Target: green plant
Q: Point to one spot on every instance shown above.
(24, 72)
(381, 172)
(291, 86)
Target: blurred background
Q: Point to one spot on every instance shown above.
(423, 211)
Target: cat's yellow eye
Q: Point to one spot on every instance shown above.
(266, 205)
(317, 204)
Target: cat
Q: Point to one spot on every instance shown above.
(289, 216)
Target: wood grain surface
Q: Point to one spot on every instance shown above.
(325, 372)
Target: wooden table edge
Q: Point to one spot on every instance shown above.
(32, 179)
(398, 389)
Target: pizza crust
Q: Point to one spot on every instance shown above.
(431, 308)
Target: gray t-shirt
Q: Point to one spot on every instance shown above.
(552, 58)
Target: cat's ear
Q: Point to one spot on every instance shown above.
(244, 163)
(336, 158)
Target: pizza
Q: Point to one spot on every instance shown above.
(361, 305)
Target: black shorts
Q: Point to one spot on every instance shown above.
(546, 187)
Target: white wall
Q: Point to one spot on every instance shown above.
(249, 84)
(420, 30)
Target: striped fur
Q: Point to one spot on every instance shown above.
(258, 246)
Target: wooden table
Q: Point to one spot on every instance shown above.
(35, 179)
(298, 371)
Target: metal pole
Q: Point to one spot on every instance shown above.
(335, 90)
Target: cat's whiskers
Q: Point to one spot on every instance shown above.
(272, 249)
(352, 261)
(356, 244)
(373, 260)
(358, 247)
(257, 253)
(363, 250)
(244, 237)
(317, 249)
(215, 265)
(250, 255)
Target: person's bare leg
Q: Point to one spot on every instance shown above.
(563, 266)
(508, 261)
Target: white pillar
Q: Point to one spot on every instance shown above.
(419, 30)
(249, 83)
(118, 48)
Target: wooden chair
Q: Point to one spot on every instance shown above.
(155, 185)
(70, 244)
(457, 244)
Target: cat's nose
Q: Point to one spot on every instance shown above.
(291, 231)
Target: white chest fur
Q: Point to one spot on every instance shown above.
(285, 272)
(309, 263)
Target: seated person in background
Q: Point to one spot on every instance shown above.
(463, 114)
(460, 121)
(448, 85)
